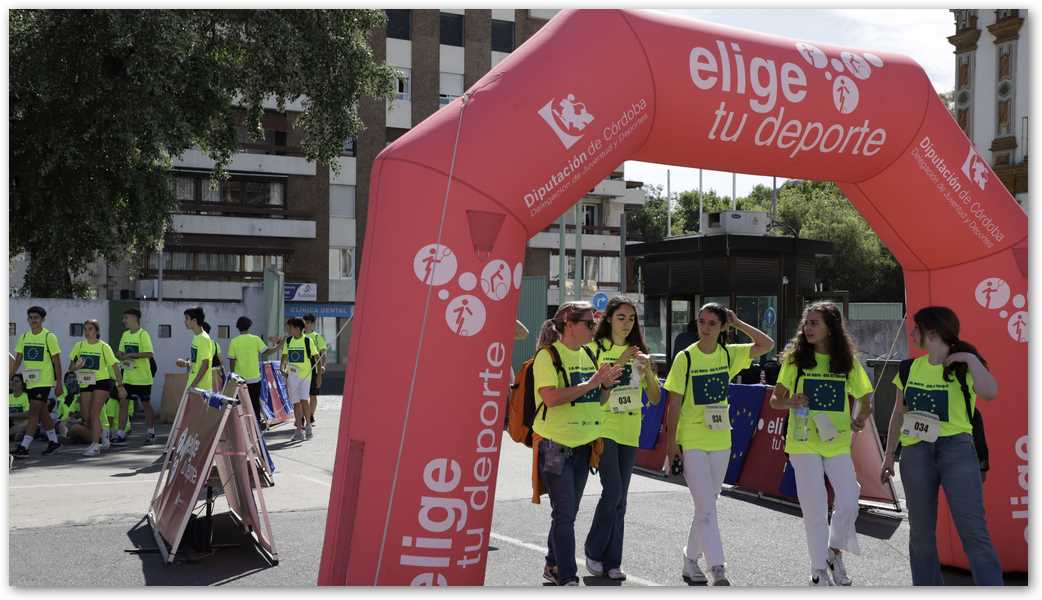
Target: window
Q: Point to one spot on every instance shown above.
(591, 215)
(404, 83)
(342, 201)
(349, 147)
(12, 329)
(263, 193)
(179, 261)
(232, 191)
(76, 329)
(451, 29)
(450, 86)
(502, 36)
(164, 331)
(211, 192)
(399, 24)
(255, 263)
(222, 332)
(185, 188)
(341, 263)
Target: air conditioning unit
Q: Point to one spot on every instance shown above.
(736, 222)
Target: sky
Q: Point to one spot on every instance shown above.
(920, 34)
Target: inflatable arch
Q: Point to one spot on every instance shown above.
(454, 201)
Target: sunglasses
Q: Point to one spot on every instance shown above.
(589, 322)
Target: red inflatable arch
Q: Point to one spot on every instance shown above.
(455, 199)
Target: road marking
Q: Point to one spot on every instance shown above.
(81, 484)
(510, 540)
(578, 559)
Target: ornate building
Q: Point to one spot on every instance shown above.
(992, 91)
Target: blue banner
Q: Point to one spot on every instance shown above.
(342, 310)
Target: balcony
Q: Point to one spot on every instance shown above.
(242, 226)
(195, 289)
(252, 161)
(595, 237)
(636, 196)
(609, 188)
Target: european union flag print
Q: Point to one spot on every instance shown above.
(578, 377)
(709, 389)
(931, 401)
(824, 394)
(92, 361)
(296, 356)
(33, 352)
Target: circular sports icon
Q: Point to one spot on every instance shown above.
(434, 264)
(465, 315)
(992, 293)
(1018, 326)
(496, 279)
(812, 54)
(845, 94)
(856, 65)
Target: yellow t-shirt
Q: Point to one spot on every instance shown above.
(246, 349)
(202, 349)
(574, 423)
(98, 356)
(18, 404)
(295, 350)
(136, 371)
(706, 379)
(37, 350)
(928, 391)
(828, 394)
(622, 427)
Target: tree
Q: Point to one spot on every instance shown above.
(648, 223)
(948, 98)
(101, 100)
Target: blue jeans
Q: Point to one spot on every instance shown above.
(604, 542)
(950, 462)
(566, 490)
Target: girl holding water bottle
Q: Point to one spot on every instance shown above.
(819, 372)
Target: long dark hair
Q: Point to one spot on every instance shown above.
(635, 337)
(841, 346)
(943, 322)
(721, 313)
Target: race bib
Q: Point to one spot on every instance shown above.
(32, 375)
(718, 417)
(921, 425)
(624, 399)
(128, 364)
(86, 378)
(826, 428)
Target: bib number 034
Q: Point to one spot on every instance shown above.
(717, 417)
(921, 425)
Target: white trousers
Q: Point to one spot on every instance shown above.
(810, 488)
(297, 388)
(704, 473)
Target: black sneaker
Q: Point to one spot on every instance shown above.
(150, 438)
(312, 420)
(20, 452)
(118, 441)
(51, 448)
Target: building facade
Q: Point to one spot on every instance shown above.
(992, 89)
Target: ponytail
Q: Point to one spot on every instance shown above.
(548, 333)
(960, 368)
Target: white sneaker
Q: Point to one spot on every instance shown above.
(298, 436)
(820, 578)
(838, 569)
(105, 444)
(92, 450)
(616, 575)
(719, 578)
(692, 574)
(307, 432)
(595, 567)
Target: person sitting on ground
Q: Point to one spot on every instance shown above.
(18, 407)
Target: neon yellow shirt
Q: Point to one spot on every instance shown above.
(202, 349)
(828, 394)
(295, 351)
(574, 423)
(246, 349)
(18, 404)
(928, 391)
(622, 427)
(37, 350)
(99, 358)
(136, 371)
(706, 379)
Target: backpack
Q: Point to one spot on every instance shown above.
(521, 405)
(979, 441)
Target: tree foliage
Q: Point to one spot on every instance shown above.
(102, 100)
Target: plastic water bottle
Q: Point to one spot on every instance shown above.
(802, 424)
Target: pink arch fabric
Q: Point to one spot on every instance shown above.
(454, 201)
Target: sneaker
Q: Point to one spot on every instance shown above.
(105, 444)
(298, 436)
(550, 574)
(595, 567)
(92, 450)
(837, 568)
(574, 581)
(311, 420)
(719, 578)
(150, 438)
(20, 452)
(119, 441)
(820, 578)
(307, 432)
(616, 575)
(692, 573)
(51, 448)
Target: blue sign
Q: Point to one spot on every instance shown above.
(300, 292)
(769, 317)
(342, 310)
(600, 301)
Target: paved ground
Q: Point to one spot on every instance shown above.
(92, 509)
